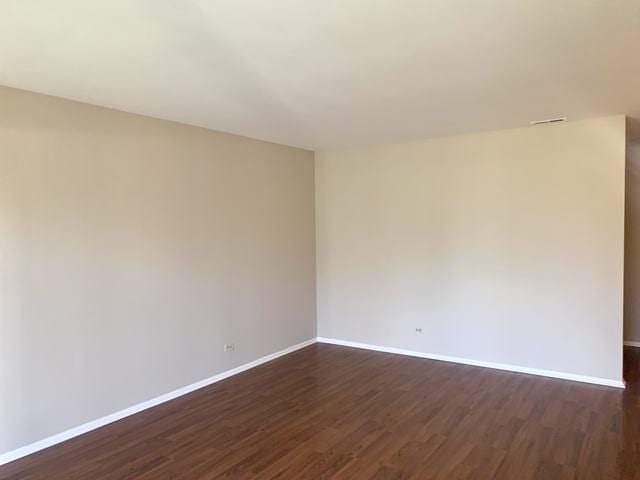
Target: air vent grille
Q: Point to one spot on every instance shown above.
(549, 120)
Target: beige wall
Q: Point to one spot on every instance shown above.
(632, 246)
(131, 250)
(502, 247)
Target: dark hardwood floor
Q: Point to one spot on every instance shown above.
(337, 412)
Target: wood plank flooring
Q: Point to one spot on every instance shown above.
(330, 412)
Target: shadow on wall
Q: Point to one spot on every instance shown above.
(632, 235)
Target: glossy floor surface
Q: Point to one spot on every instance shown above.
(335, 413)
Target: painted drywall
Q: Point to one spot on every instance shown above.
(131, 250)
(503, 247)
(632, 246)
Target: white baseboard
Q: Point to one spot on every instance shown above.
(477, 363)
(630, 343)
(92, 425)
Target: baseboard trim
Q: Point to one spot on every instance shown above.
(100, 422)
(630, 343)
(477, 363)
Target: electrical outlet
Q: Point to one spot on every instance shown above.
(418, 329)
(229, 347)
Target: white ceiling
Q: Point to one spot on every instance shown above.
(330, 73)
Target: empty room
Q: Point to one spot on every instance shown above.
(298, 239)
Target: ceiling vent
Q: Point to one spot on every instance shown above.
(549, 120)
